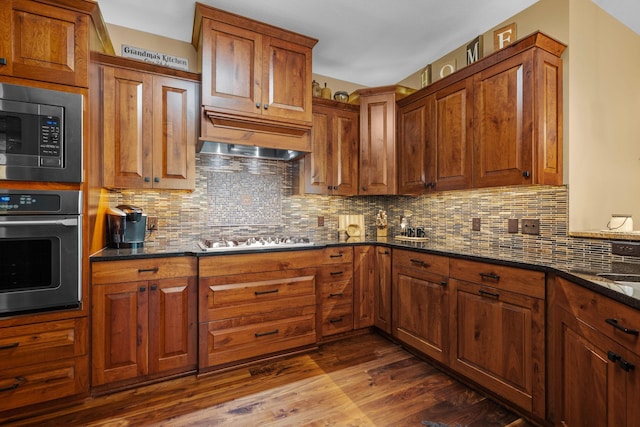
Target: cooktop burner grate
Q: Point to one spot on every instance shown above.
(253, 243)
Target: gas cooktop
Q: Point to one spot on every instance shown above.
(224, 245)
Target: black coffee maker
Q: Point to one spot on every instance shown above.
(126, 227)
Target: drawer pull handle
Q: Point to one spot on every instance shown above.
(385, 253)
(264, 334)
(626, 366)
(335, 295)
(492, 276)
(8, 346)
(336, 255)
(488, 294)
(272, 291)
(443, 283)
(335, 273)
(148, 270)
(15, 385)
(336, 320)
(613, 356)
(615, 324)
(420, 262)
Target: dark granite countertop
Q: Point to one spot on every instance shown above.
(535, 261)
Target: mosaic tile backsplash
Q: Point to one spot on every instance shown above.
(241, 197)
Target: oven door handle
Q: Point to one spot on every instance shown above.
(69, 222)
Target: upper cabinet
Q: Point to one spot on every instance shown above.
(256, 81)
(39, 41)
(378, 139)
(149, 131)
(332, 166)
(496, 122)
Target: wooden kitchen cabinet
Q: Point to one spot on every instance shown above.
(382, 289)
(43, 361)
(149, 125)
(255, 77)
(595, 365)
(498, 330)
(364, 282)
(144, 319)
(254, 305)
(335, 293)
(421, 302)
(332, 166)
(378, 151)
(496, 122)
(40, 41)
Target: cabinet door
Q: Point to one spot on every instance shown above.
(172, 324)
(127, 131)
(45, 43)
(364, 276)
(597, 384)
(415, 154)
(499, 342)
(174, 133)
(382, 290)
(451, 136)
(317, 164)
(231, 67)
(286, 80)
(420, 311)
(378, 144)
(119, 319)
(503, 120)
(344, 151)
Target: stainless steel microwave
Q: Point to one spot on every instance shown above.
(40, 134)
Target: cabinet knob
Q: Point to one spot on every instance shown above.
(257, 105)
(142, 289)
(153, 287)
(526, 174)
(266, 106)
(147, 179)
(3, 61)
(365, 188)
(335, 187)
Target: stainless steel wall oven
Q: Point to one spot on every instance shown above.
(40, 250)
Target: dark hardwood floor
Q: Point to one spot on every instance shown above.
(361, 381)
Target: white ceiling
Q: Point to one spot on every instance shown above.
(368, 42)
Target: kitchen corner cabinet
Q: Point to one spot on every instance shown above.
(382, 290)
(144, 319)
(332, 166)
(364, 278)
(421, 302)
(595, 364)
(149, 125)
(496, 122)
(40, 41)
(498, 323)
(335, 291)
(254, 76)
(378, 151)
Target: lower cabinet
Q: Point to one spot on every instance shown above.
(364, 279)
(498, 330)
(143, 319)
(43, 361)
(335, 305)
(255, 305)
(421, 302)
(382, 290)
(595, 371)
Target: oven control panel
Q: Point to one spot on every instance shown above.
(63, 202)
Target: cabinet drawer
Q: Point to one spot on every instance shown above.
(425, 262)
(224, 265)
(221, 346)
(336, 293)
(335, 272)
(42, 382)
(43, 342)
(601, 313)
(336, 319)
(337, 255)
(142, 269)
(526, 282)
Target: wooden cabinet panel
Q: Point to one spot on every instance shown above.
(337, 319)
(316, 167)
(382, 290)
(415, 152)
(273, 261)
(149, 127)
(44, 42)
(142, 269)
(364, 281)
(434, 264)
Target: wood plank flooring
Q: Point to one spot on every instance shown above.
(361, 381)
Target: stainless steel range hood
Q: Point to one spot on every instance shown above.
(238, 150)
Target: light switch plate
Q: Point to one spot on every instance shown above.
(475, 224)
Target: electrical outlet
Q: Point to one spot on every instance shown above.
(152, 223)
(320, 221)
(531, 226)
(625, 249)
(512, 226)
(475, 224)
